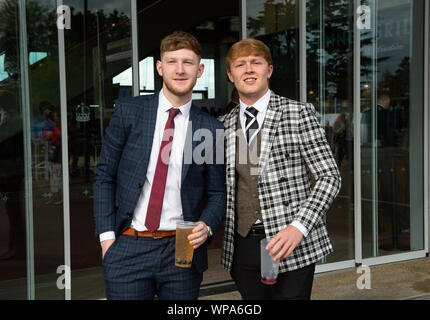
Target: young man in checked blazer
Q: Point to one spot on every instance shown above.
(145, 183)
(273, 145)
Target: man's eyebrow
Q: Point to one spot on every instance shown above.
(240, 60)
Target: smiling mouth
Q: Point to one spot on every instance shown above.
(250, 80)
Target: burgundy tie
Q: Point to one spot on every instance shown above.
(153, 214)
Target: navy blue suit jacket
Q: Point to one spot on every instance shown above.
(124, 158)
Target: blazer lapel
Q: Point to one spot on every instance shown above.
(147, 119)
(230, 127)
(271, 122)
(194, 123)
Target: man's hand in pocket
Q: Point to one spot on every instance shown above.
(105, 246)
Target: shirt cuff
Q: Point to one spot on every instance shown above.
(299, 226)
(109, 235)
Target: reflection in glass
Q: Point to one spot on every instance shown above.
(43, 159)
(13, 265)
(98, 66)
(330, 88)
(392, 129)
(276, 24)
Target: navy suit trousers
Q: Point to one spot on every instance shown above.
(138, 268)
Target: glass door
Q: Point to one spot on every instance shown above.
(392, 127)
(98, 61)
(31, 181)
(13, 262)
(329, 61)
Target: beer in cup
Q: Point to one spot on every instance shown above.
(184, 250)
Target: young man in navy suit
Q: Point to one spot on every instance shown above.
(145, 182)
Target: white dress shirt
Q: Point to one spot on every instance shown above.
(261, 105)
(172, 205)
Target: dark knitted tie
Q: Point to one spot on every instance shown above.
(155, 205)
(251, 124)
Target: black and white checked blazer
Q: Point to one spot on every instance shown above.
(293, 147)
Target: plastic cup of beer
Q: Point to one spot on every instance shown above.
(269, 267)
(183, 249)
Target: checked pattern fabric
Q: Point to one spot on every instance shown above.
(293, 148)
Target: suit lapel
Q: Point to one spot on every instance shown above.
(147, 119)
(194, 124)
(271, 122)
(230, 126)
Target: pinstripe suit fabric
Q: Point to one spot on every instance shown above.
(293, 148)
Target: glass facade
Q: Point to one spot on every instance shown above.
(329, 60)
(392, 128)
(50, 136)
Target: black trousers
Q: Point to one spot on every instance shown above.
(292, 285)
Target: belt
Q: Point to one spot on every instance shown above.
(156, 234)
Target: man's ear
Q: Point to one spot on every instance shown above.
(270, 71)
(201, 69)
(229, 76)
(159, 68)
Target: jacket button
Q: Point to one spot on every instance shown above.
(254, 196)
(140, 185)
(129, 214)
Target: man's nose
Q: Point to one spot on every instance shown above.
(248, 68)
(180, 68)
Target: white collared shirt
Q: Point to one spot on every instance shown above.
(172, 205)
(261, 105)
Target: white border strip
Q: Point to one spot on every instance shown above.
(302, 51)
(357, 140)
(243, 19)
(335, 266)
(394, 258)
(26, 127)
(65, 160)
(426, 126)
(135, 48)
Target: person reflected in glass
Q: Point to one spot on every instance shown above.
(392, 177)
(53, 138)
(386, 133)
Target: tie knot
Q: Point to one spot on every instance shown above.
(173, 112)
(251, 112)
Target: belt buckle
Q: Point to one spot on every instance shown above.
(257, 230)
(154, 235)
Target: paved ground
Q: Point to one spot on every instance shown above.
(397, 281)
